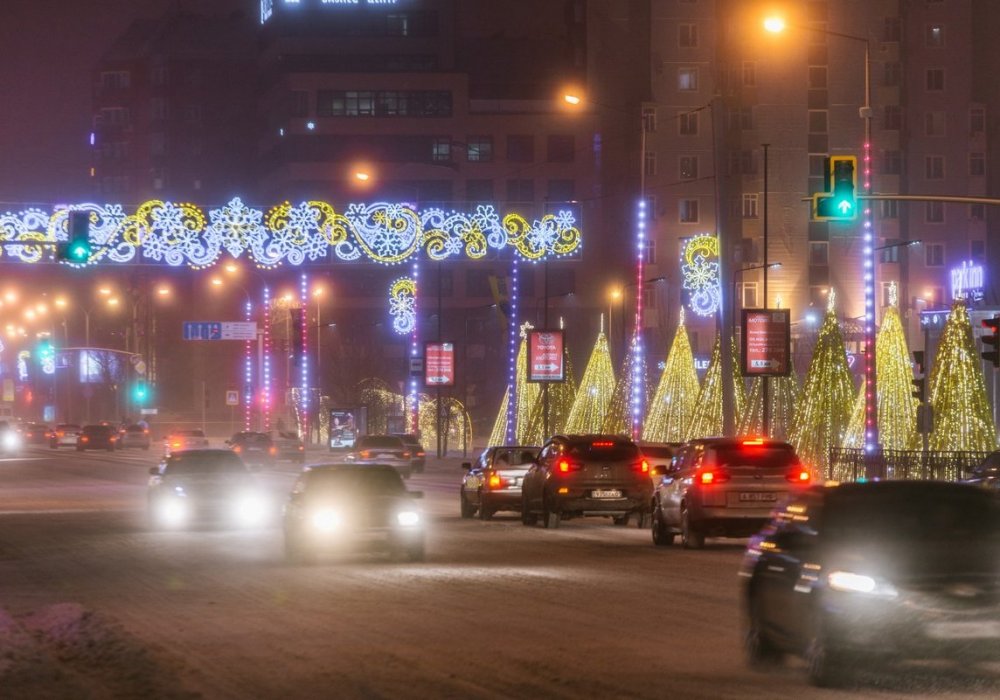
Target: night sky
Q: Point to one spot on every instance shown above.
(48, 49)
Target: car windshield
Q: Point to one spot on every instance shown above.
(753, 456)
(954, 515)
(360, 482)
(204, 463)
(383, 441)
(600, 449)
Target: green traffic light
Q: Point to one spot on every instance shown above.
(79, 251)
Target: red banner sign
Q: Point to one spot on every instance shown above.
(767, 343)
(439, 364)
(546, 359)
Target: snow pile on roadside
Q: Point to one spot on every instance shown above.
(64, 651)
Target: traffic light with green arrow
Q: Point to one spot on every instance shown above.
(77, 248)
(839, 201)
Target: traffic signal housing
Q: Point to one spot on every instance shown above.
(839, 201)
(77, 248)
(920, 383)
(991, 341)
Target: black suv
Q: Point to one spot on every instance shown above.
(577, 475)
(867, 573)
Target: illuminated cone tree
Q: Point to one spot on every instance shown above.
(783, 396)
(673, 403)
(827, 395)
(498, 436)
(593, 398)
(561, 396)
(618, 420)
(526, 394)
(897, 409)
(962, 419)
(707, 418)
(739, 386)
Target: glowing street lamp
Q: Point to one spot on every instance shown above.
(775, 25)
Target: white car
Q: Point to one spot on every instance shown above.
(65, 435)
(184, 440)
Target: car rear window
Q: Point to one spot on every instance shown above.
(204, 463)
(97, 429)
(753, 456)
(611, 450)
(190, 433)
(252, 438)
(958, 515)
(387, 441)
(517, 455)
(363, 482)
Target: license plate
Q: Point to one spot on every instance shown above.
(758, 497)
(974, 629)
(606, 493)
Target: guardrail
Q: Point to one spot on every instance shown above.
(853, 464)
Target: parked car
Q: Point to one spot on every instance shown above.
(134, 436)
(10, 440)
(382, 449)
(256, 449)
(36, 433)
(580, 475)
(866, 574)
(64, 435)
(418, 456)
(287, 446)
(657, 453)
(97, 437)
(184, 440)
(723, 487)
(493, 482)
(205, 485)
(340, 507)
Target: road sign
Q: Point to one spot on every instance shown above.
(232, 397)
(546, 359)
(220, 330)
(148, 411)
(766, 342)
(416, 366)
(239, 330)
(440, 364)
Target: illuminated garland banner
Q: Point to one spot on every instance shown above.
(700, 272)
(181, 234)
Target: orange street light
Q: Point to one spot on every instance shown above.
(775, 25)
(216, 282)
(572, 99)
(163, 290)
(104, 291)
(60, 302)
(113, 301)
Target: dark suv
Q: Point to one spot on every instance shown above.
(868, 573)
(577, 475)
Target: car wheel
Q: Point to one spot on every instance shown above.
(662, 537)
(761, 652)
(691, 536)
(468, 510)
(527, 517)
(826, 668)
(550, 518)
(485, 511)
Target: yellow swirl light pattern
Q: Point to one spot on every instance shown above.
(180, 234)
(700, 272)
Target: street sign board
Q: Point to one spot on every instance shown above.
(767, 342)
(416, 366)
(546, 359)
(439, 364)
(239, 330)
(148, 411)
(232, 397)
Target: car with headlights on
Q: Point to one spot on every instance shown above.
(10, 439)
(382, 449)
(254, 448)
(64, 435)
(581, 475)
(337, 508)
(134, 435)
(493, 482)
(723, 487)
(867, 574)
(191, 487)
(178, 440)
(99, 436)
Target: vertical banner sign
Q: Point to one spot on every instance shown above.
(767, 342)
(439, 364)
(546, 359)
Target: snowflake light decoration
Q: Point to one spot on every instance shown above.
(700, 271)
(402, 305)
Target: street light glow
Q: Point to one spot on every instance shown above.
(774, 25)
(104, 291)
(362, 175)
(163, 291)
(571, 99)
(60, 302)
(216, 282)
(113, 301)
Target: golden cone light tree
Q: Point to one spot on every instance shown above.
(673, 403)
(739, 385)
(561, 396)
(957, 392)
(526, 393)
(707, 418)
(827, 395)
(783, 395)
(498, 436)
(618, 421)
(593, 398)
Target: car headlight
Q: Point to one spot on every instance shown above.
(408, 518)
(326, 520)
(849, 582)
(172, 512)
(11, 441)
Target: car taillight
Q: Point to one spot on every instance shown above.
(406, 454)
(564, 466)
(712, 476)
(237, 449)
(497, 482)
(799, 475)
(642, 467)
(302, 448)
(421, 453)
(29, 434)
(365, 454)
(175, 444)
(84, 438)
(145, 432)
(273, 450)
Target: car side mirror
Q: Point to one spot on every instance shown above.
(416, 494)
(466, 466)
(154, 471)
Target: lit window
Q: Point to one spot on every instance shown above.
(687, 79)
